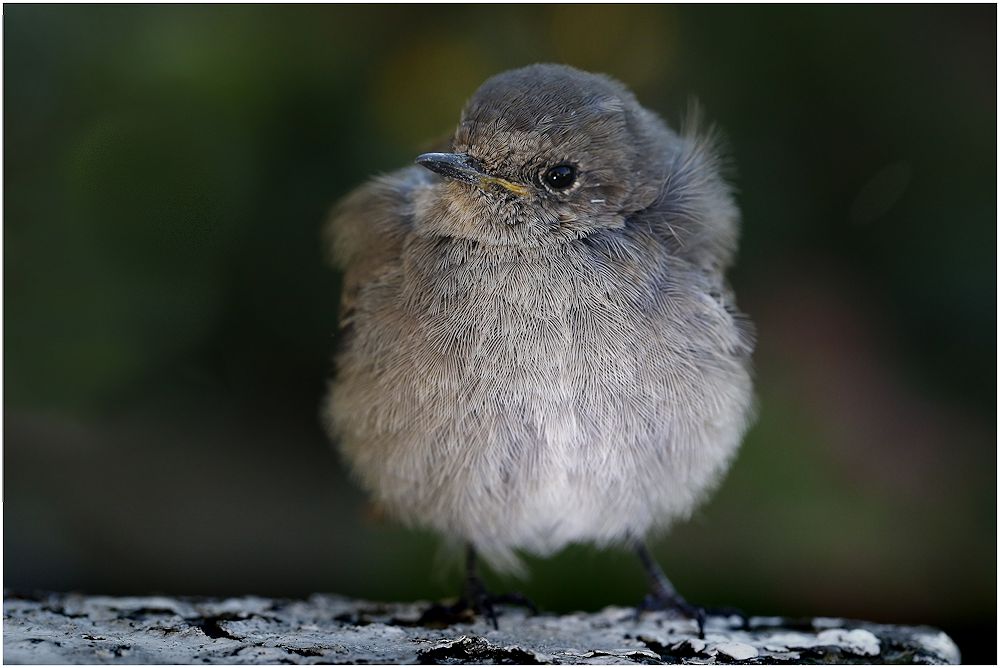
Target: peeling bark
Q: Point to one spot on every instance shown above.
(70, 628)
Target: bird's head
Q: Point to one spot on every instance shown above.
(544, 154)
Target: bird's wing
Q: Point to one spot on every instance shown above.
(695, 216)
(365, 231)
(695, 213)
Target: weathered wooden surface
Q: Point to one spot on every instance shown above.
(329, 629)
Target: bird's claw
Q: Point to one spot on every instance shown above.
(476, 600)
(675, 603)
(695, 613)
(482, 602)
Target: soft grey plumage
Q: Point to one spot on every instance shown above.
(522, 366)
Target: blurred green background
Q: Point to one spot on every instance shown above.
(169, 320)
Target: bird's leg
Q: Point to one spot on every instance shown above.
(475, 598)
(662, 593)
(478, 599)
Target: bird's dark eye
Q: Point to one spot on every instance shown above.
(560, 177)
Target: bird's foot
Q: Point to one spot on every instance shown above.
(486, 604)
(474, 601)
(673, 603)
(696, 613)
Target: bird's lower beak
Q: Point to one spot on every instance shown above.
(461, 167)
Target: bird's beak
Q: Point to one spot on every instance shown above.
(461, 167)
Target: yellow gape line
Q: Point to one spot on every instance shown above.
(515, 188)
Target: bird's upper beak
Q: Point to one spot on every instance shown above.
(462, 167)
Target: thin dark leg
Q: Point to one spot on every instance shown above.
(477, 598)
(474, 595)
(658, 581)
(474, 600)
(472, 586)
(663, 595)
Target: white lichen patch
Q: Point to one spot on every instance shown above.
(855, 641)
(737, 651)
(938, 643)
(695, 645)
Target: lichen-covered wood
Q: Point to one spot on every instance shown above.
(70, 628)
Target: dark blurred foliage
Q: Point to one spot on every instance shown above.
(169, 319)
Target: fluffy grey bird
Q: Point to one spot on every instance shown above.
(539, 346)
